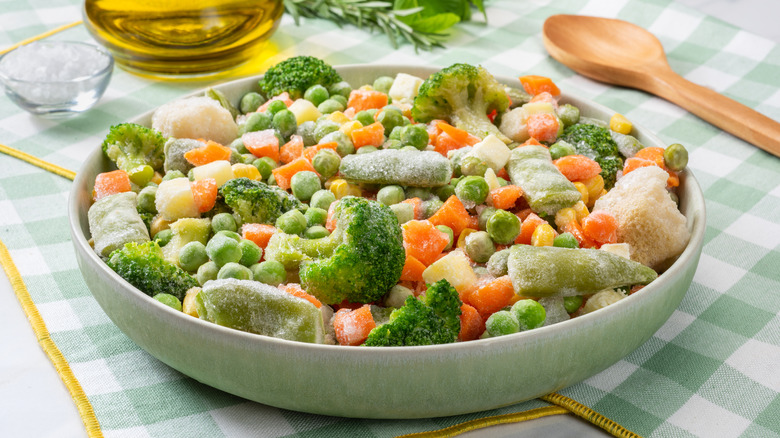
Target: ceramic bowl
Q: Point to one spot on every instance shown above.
(391, 382)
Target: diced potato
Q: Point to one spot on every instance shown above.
(174, 199)
(304, 111)
(220, 170)
(455, 268)
(621, 249)
(492, 151)
(404, 88)
(492, 180)
(602, 299)
(513, 125)
(539, 107)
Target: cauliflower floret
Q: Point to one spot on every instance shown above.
(195, 117)
(648, 219)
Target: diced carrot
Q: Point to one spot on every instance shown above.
(534, 85)
(502, 173)
(574, 228)
(311, 151)
(417, 206)
(284, 97)
(546, 97)
(423, 241)
(527, 228)
(452, 214)
(531, 142)
(204, 191)
(350, 112)
(505, 197)
(652, 153)
(459, 135)
(371, 135)
(600, 226)
(636, 288)
(636, 162)
(473, 222)
(212, 151)
(433, 128)
(111, 183)
(291, 150)
(492, 296)
(543, 127)
(295, 289)
(283, 174)
(577, 167)
(263, 143)
(471, 324)
(258, 233)
(412, 270)
(444, 143)
(353, 326)
(330, 222)
(362, 100)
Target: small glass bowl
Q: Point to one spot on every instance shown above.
(59, 85)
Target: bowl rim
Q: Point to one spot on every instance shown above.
(84, 78)
(697, 229)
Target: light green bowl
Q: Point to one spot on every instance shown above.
(391, 382)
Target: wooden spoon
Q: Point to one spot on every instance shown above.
(622, 53)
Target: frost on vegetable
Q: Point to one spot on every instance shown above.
(544, 187)
(174, 151)
(394, 166)
(114, 221)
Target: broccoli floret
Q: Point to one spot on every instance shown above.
(596, 142)
(143, 266)
(432, 319)
(295, 75)
(464, 95)
(136, 149)
(257, 202)
(358, 262)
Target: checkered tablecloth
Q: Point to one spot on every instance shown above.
(712, 370)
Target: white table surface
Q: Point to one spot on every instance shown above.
(35, 403)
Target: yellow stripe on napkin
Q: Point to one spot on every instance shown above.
(35, 161)
(48, 345)
(41, 36)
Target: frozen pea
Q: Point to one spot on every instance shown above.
(326, 162)
(344, 145)
(291, 222)
(265, 166)
(323, 128)
(450, 235)
(222, 249)
(403, 211)
(258, 122)
(479, 246)
(560, 149)
(207, 271)
(250, 252)
(418, 192)
(395, 134)
(304, 184)
(275, 106)
(146, 198)
(169, 300)
(231, 234)
(250, 102)
(173, 174)
(415, 135)
(239, 146)
(390, 117)
(234, 270)
(322, 199)
(566, 240)
(223, 222)
(316, 232)
(431, 206)
(340, 99)
(408, 148)
(367, 149)
(316, 94)
(192, 255)
(484, 217)
(676, 157)
(269, 272)
(366, 117)
(271, 181)
(393, 144)
(330, 106)
(444, 192)
(529, 314)
(284, 122)
(315, 216)
(341, 88)
(497, 263)
(306, 131)
(502, 323)
(572, 303)
(473, 165)
(163, 237)
(389, 195)
(383, 84)
(568, 114)
(503, 227)
(472, 190)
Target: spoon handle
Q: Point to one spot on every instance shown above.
(723, 112)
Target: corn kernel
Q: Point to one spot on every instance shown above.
(241, 170)
(350, 126)
(341, 188)
(157, 178)
(462, 238)
(583, 191)
(366, 87)
(338, 117)
(619, 123)
(564, 217)
(594, 185)
(582, 211)
(188, 305)
(543, 235)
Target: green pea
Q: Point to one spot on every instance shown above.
(322, 199)
(271, 180)
(316, 232)
(431, 206)
(366, 117)
(389, 195)
(141, 175)
(315, 216)
(676, 157)
(330, 106)
(393, 144)
(390, 117)
(304, 185)
(231, 234)
(344, 145)
(415, 135)
(250, 102)
(473, 165)
(568, 114)
(560, 149)
(501, 323)
(291, 222)
(222, 249)
(566, 240)
(234, 270)
(418, 192)
(395, 134)
(269, 272)
(341, 88)
(403, 211)
(340, 99)
(258, 122)
(207, 271)
(503, 227)
(450, 235)
(306, 131)
(383, 84)
(169, 300)
(223, 221)
(366, 150)
(239, 146)
(325, 127)
(479, 246)
(472, 190)
(529, 314)
(316, 94)
(444, 192)
(173, 174)
(146, 198)
(497, 263)
(250, 252)
(284, 122)
(275, 106)
(572, 304)
(192, 255)
(163, 237)
(264, 166)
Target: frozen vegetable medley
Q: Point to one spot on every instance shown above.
(407, 211)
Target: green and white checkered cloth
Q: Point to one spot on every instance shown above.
(711, 370)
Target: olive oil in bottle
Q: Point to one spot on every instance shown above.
(182, 37)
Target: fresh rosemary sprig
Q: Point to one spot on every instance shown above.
(422, 23)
